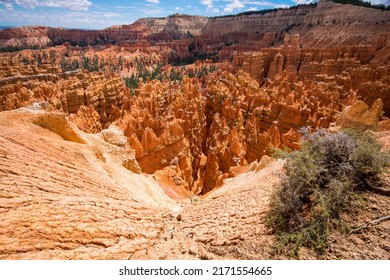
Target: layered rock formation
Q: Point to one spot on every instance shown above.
(68, 195)
(94, 98)
(321, 25)
(360, 71)
(246, 121)
(339, 22)
(175, 25)
(165, 126)
(25, 63)
(25, 36)
(152, 29)
(201, 133)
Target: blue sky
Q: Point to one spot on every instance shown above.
(98, 14)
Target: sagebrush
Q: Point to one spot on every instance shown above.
(320, 184)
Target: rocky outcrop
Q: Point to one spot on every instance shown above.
(246, 120)
(361, 71)
(57, 123)
(93, 98)
(165, 126)
(67, 199)
(87, 119)
(324, 24)
(25, 36)
(178, 25)
(25, 63)
(152, 29)
(193, 136)
(360, 117)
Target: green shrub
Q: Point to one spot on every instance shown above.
(279, 153)
(320, 183)
(366, 158)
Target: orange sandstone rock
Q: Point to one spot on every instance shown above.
(361, 117)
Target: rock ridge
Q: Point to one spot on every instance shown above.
(340, 21)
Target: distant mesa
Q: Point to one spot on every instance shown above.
(306, 20)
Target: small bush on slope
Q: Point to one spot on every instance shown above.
(320, 184)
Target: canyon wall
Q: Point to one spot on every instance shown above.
(152, 29)
(320, 25)
(335, 18)
(361, 71)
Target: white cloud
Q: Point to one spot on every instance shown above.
(125, 7)
(259, 3)
(73, 5)
(110, 15)
(385, 2)
(210, 6)
(282, 6)
(152, 12)
(300, 2)
(208, 3)
(234, 4)
(153, 1)
(28, 4)
(252, 9)
(92, 20)
(178, 9)
(7, 5)
(189, 6)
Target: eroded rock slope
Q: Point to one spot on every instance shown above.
(68, 195)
